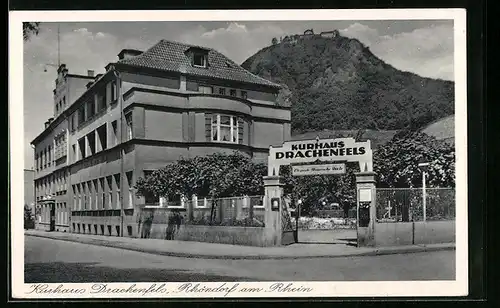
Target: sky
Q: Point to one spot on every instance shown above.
(424, 47)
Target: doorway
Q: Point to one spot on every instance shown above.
(52, 217)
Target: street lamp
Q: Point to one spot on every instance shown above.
(424, 166)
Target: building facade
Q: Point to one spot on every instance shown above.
(147, 110)
(29, 189)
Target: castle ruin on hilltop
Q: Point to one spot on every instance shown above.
(309, 33)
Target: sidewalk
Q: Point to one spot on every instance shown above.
(200, 250)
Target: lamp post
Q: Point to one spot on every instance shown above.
(297, 214)
(424, 166)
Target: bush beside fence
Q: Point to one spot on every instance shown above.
(400, 219)
(183, 221)
(406, 204)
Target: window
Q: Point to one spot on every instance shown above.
(90, 192)
(244, 94)
(81, 148)
(102, 137)
(60, 150)
(232, 92)
(50, 156)
(224, 128)
(114, 93)
(73, 152)
(117, 183)
(101, 100)
(64, 101)
(71, 123)
(200, 60)
(222, 91)
(73, 189)
(205, 89)
(103, 194)
(84, 194)
(128, 119)
(130, 189)
(109, 181)
(91, 143)
(90, 110)
(81, 115)
(114, 136)
(95, 193)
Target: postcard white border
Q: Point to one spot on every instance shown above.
(459, 287)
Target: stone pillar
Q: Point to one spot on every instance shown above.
(272, 219)
(366, 210)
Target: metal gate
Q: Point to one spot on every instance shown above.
(289, 230)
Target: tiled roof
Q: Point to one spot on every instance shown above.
(170, 56)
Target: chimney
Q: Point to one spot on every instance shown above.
(90, 73)
(128, 53)
(62, 68)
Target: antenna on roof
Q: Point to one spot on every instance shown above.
(58, 45)
(58, 52)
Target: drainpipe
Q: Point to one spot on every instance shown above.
(120, 102)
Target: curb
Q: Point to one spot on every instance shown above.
(376, 252)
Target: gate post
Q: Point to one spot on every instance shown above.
(366, 208)
(272, 218)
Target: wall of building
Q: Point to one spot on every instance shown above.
(130, 80)
(166, 127)
(266, 134)
(76, 87)
(29, 187)
(163, 125)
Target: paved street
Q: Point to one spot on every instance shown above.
(48, 260)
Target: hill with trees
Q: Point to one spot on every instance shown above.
(337, 83)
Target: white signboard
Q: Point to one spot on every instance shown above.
(365, 195)
(318, 169)
(327, 150)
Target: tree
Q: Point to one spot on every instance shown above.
(396, 162)
(29, 29)
(274, 41)
(29, 221)
(213, 176)
(312, 190)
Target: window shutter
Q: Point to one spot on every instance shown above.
(240, 131)
(208, 126)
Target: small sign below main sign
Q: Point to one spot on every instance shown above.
(318, 169)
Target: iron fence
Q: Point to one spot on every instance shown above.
(407, 204)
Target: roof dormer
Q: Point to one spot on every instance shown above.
(198, 57)
(128, 53)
